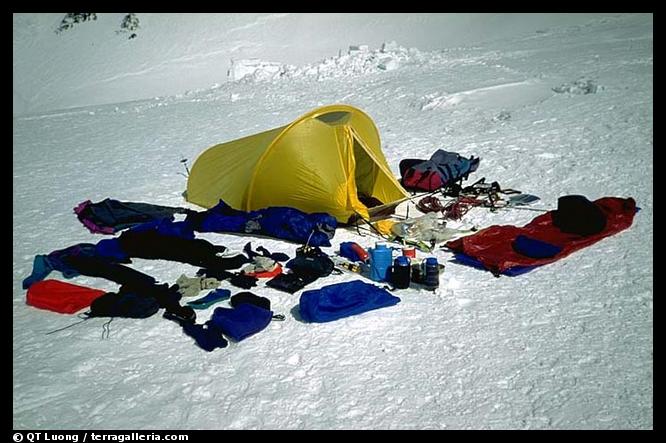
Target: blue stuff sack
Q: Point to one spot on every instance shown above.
(241, 322)
(341, 300)
(531, 247)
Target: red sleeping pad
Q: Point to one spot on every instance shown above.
(62, 297)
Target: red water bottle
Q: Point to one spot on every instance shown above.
(362, 253)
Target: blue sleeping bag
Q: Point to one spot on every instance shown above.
(278, 222)
(340, 300)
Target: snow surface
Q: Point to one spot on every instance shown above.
(566, 346)
(91, 64)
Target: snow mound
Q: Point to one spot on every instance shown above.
(579, 87)
(359, 60)
(509, 95)
(255, 69)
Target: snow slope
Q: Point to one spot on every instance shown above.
(92, 64)
(566, 346)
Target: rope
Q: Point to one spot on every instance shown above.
(456, 209)
(430, 204)
(453, 210)
(67, 327)
(106, 328)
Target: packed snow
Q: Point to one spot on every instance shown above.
(562, 108)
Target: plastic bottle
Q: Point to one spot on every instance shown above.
(401, 272)
(380, 261)
(431, 273)
(416, 270)
(362, 253)
(353, 251)
(409, 251)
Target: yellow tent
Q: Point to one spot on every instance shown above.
(322, 162)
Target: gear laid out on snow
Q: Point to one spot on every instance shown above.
(310, 260)
(531, 247)
(277, 185)
(290, 282)
(457, 208)
(249, 315)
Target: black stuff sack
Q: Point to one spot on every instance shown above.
(575, 214)
(123, 304)
(311, 262)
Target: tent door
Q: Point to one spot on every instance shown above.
(365, 176)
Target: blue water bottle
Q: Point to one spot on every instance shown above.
(380, 262)
(431, 273)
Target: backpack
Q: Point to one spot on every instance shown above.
(312, 262)
(442, 169)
